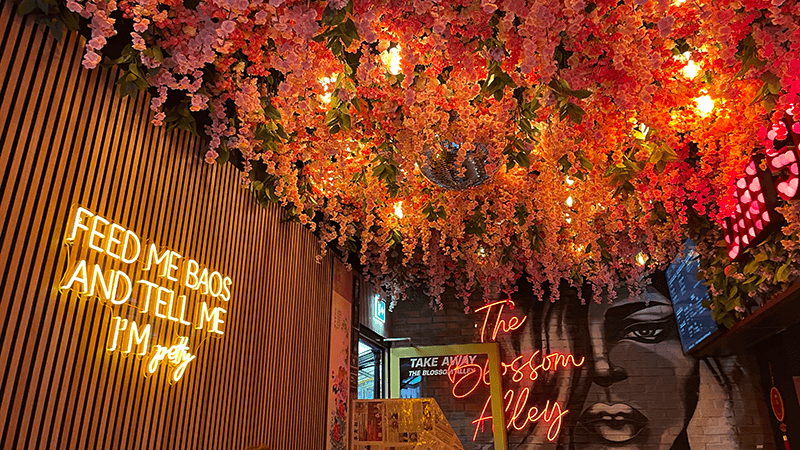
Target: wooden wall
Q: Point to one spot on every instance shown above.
(66, 138)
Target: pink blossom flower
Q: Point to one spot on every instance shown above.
(91, 59)
(96, 42)
(665, 25)
(228, 27)
(141, 26)
(211, 156)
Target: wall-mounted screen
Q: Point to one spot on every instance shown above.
(687, 292)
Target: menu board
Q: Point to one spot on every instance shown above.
(687, 292)
(401, 424)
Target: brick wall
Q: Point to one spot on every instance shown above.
(634, 390)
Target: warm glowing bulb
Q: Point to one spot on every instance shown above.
(398, 210)
(569, 219)
(570, 201)
(641, 259)
(690, 70)
(326, 83)
(705, 104)
(391, 58)
(570, 181)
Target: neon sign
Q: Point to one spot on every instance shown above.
(754, 216)
(466, 376)
(147, 288)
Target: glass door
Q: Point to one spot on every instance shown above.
(370, 370)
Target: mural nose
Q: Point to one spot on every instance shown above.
(605, 374)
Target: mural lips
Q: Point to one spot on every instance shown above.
(617, 423)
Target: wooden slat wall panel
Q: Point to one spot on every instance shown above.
(66, 138)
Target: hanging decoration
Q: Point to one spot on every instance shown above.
(564, 138)
(776, 402)
(441, 166)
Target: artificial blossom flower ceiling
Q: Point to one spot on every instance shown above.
(601, 129)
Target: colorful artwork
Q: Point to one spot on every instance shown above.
(339, 393)
(587, 375)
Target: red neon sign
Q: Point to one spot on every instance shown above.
(754, 217)
(784, 159)
(512, 324)
(467, 377)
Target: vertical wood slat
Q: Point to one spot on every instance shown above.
(66, 138)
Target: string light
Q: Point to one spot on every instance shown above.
(326, 83)
(570, 181)
(690, 69)
(391, 58)
(398, 210)
(570, 201)
(705, 105)
(641, 259)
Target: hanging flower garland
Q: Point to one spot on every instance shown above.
(605, 125)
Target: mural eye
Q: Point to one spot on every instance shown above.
(646, 332)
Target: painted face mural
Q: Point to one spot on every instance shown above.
(598, 376)
(643, 389)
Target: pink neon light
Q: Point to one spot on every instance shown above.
(778, 161)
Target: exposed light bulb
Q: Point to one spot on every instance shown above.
(641, 259)
(326, 83)
(705, 104)
(398, 210)
(570, 201)
(690, 69)
(568, 219)
(391, 58)
(570, 181)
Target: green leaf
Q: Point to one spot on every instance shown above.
(271, 112)
(750, 267)
(728, 321)
(575, 112)
(782, 274)
(26, 7)
(345, 120)
(581, 93)
(523, 160)
(224, 155)
(57, 29)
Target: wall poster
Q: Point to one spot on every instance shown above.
(339, 360)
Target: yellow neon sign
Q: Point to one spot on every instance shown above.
(160, 287)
